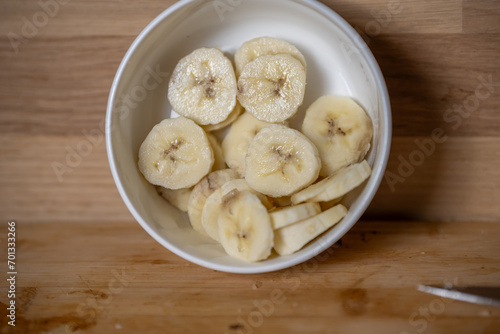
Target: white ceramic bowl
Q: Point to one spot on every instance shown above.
(338, 60)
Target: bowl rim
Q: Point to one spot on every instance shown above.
(365, 197)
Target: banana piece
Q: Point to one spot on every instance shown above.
(235, 144)
(175, 154)
(281, 161)
(340, 129)
(219, 162)
(336, 185)
(263, 46)
(293, 214)
(291, 238)
(244, 226)
(202, 191)
(237, 111)
(212, 207)
(203, 86)
(178, 197)
(272, 87)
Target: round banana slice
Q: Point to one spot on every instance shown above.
(212, 207)
(178, 197)
(263, 46)
(235, 144)
(281, 161)
(238, 109)
(203, 87)
(219, 162)
(272, 88)
(244, 226)
(202, 190)
(340, 129)
(175, 154)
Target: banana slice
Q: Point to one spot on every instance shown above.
(293, 214)
(340, 129)
(203, 86)
(178, 197)
(219, 162)
(271, 88)
(263, 46)
(202, 190)
(281, 161)
(291, 238)
(244, 227)
(175, 154)
(238, 109)
(212, 207)
(336, 185)
(235, 144)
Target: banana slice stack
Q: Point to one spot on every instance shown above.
(264, 186)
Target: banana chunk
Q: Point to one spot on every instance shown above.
(238, 109)
(336, 185)
(178, 197)
(244, 227)
(212, 207)
(219, 162)
(235, 144)
(175, 154)
(272, 87)
(291, 238)
(202, 191)
(340, 129)
(293, 214)
(281, 161)
(264, 46)
(203, 87)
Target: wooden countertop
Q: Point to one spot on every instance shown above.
(84, 264)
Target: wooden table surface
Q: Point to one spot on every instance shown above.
(85, 265)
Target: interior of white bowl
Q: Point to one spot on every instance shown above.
(338, 62)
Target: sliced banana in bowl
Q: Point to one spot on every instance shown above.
(340, 129)
(244, 226)
(281, 161)
(264, 46)
(272, 87)
(203, 87)
(213, 205)
(176, 154)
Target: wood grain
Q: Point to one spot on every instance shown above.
(366, 284)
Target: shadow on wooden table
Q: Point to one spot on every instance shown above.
(414, 167)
